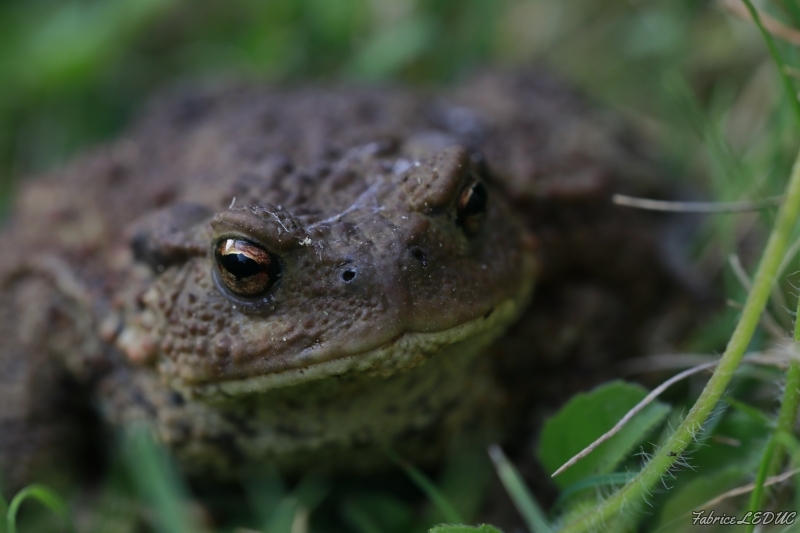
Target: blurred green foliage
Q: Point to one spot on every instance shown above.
(73, 71)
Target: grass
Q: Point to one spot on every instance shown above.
(665, 458)
(703, 84)
(42, 494)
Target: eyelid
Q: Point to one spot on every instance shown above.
(268, 227)
(242, 246)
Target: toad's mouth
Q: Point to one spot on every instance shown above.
(402, 353)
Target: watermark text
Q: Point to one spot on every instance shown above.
(780, 518)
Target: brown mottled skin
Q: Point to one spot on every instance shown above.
(381, 321)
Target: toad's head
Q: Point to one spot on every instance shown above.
(374, 267)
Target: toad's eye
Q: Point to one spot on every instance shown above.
(246, 269)
(471, 207)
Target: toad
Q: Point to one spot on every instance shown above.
(307, 276)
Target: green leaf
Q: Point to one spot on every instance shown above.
(38, 492)
(464, 529)
(588, 416)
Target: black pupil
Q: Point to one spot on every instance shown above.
(240, 265)
(476, 203)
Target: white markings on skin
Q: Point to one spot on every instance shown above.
(279, 221)
(401, 165)
(233, 202)
(360, 203)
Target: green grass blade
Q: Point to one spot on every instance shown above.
(47, 497)
(761, 477)
(484, 528)
(157, 481)
(775, 451)
(282, 518)
(752, 412)
(727, 167)
(788, 413)
(788, 86)
(791, 444)
(264, 492)
(793, 9)
(429, 488)
(523, 500)
(311, 490)
(464, 479)
(358, 518)
(666, 456)
(3, 512)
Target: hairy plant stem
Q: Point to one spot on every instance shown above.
(666, 457)
(788, 413)
(774, 453)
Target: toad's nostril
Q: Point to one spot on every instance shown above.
(348, 275)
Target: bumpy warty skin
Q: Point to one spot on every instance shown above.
(377, 330)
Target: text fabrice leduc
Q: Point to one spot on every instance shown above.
(766, 518)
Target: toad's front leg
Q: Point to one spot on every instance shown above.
(45, 423)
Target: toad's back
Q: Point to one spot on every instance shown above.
(290, 275)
